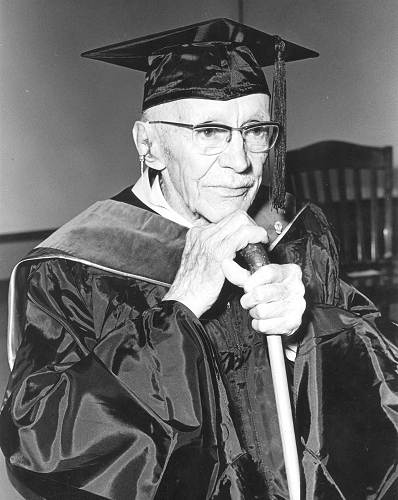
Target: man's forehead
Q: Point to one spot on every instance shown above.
(254, 106)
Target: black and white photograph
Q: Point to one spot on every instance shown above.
(199, 250)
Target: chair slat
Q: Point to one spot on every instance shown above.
(313, 193)
(327, 185)
(299, 184)
(374, 219)
(388, 220)
(358, 216)
(344, 229)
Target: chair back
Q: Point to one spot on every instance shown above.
(353, 185)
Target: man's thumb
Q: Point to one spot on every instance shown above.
(234, 272)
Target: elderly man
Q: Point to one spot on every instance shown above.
(137, 334)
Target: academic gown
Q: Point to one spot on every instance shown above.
(118, 394)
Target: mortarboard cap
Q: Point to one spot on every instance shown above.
(217, 59)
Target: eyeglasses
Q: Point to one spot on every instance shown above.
(213, 138)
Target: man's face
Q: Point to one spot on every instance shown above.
(211, 187)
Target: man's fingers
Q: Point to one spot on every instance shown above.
(275, 326)
(284, 308)
(244, 235)
(275, 299)
(271, 292)
(270, 273)
(273, 273)
(201, 223)
(234, 272)
(222, 242)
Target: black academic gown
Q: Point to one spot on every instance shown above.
(117, 394)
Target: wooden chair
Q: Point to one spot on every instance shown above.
(353, 185)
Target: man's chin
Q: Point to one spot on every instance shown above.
(218, 211)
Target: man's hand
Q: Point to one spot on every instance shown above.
(274, 296)
(200, 277)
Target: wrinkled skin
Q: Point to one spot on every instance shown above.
(214, 192)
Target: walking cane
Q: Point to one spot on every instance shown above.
(256, 256)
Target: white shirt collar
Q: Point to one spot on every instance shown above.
(151, 195)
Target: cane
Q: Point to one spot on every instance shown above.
(256, 256)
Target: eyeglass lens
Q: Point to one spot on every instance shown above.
(258, 138)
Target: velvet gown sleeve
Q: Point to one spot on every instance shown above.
(110, 396)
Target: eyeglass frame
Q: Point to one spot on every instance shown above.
(227, 128)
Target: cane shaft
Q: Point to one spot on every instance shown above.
(256, 256)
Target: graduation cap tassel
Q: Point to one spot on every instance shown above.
(274, 342)
(279, 114)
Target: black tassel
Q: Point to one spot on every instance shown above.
(278, 105)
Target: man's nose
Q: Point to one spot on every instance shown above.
(235, 156)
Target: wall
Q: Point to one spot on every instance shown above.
(65, 121)
(350, 91)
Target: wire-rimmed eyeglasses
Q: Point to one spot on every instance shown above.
(213, 138)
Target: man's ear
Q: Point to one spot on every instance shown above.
(146, 145)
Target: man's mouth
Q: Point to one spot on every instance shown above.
(232, 190)
(245, 183)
